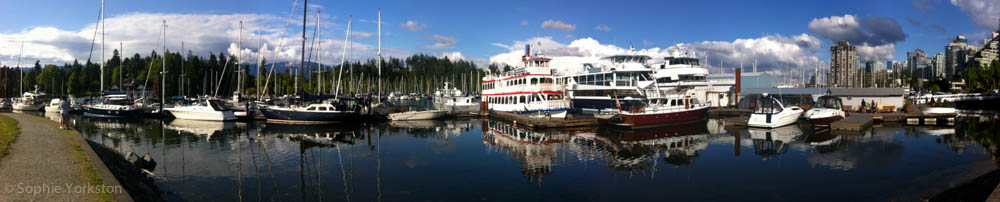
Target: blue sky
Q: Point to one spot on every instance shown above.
(474, 26)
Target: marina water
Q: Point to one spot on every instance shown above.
(481, 159)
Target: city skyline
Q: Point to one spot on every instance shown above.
(730, 31)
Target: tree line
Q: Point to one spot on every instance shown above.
(217, 75)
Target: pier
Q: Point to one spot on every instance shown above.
(855, 122)
(543, 123)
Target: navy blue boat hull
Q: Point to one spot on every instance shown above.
(111, 113)
(306, 117)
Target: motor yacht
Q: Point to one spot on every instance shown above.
(769, 112)
(826, 110)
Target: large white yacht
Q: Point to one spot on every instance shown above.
(531, 89)
(618, 85)
(686, 73)
(208, 110)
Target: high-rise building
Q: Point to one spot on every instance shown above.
(843, 66)
(919, 63)
(990, 51)
(867, 81)
(958, 53)
(939, 66)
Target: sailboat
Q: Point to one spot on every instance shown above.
(31, 100)
(114, 104)
(316, 113)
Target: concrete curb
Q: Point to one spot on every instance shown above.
(95, 161)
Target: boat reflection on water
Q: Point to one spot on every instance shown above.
(202, 128)
(773, 141)
(536, 151)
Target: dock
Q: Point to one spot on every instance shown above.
(855, 122)
(917, 119)
(543, 123)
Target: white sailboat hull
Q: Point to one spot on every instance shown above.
(27, 107)
(417, 115)
(180, 113)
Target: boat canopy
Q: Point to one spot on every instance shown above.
(768, 105)
(828, 102)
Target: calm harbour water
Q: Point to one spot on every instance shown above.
(480, 159)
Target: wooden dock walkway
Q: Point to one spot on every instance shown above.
(855, 122)
(541, 123)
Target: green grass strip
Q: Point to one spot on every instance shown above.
(8, 133)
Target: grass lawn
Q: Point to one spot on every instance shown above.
(8, 132)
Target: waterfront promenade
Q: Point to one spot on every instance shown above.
(46, 163)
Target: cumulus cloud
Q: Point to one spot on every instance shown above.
(361, 35)
(877, 53)
(604, 28)
(413, 26)
(772, 52)
(874, 31)
(441, 42)
(201, 33)
(555, 24)
(984, 13)
(452, 55)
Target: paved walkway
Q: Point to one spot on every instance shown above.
(41, 165)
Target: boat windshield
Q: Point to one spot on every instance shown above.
(828, 102)
(767, 105)
(682, 61)
(217, 105)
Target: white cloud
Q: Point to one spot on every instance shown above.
(413, 26)
(878, 53)
(452, 55)
(604, 28)
(441, 42)
(201, 33)
(554, 24)
(772, 52)
(985, 13)
(361, 35)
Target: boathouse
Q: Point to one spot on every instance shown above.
(887, 98)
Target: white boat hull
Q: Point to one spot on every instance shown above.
(938, 110)
(27, 107)
(417, 115)
(787, 117)
(202, 115)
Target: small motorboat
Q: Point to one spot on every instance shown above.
(770, 113)
(54, 106)
(208, 110)
(826, 110)
(417, 115)
(4, 104)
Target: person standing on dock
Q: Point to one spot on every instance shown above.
(63, 113)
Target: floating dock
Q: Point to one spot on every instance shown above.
(541, 123)
(855, 122)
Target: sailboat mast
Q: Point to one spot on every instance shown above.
(379, 62)
(260, 55)
(102, 46)
(319, 56)
(163, 71)
(302, 60)
(239, 60)
(20, 81)
(343, 56)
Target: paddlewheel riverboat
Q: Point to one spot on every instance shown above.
(531, 89)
